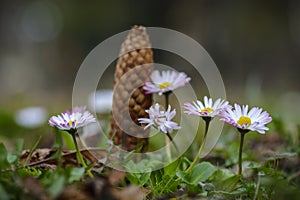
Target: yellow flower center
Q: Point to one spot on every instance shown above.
(244, 120)
(70, 123)
(164, 85)
(207, 110)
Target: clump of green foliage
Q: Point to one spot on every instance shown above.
(275, 176)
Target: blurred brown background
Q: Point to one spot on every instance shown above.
(255, 45)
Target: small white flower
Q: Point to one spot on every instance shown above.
(160, 119)
(101, 100)
(31, 117)
(71, 120)
(165, 82)
(254, 120)
(208, 109)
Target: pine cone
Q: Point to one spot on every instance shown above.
(133, 69)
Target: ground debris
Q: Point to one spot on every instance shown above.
(33, 187)
(45, 157)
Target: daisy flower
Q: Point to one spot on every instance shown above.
(254, 120)
(160, 119)
(206, 109)
(71, 120)
(167, 81)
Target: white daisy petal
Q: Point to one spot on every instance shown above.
(200, 104)
(217, 103)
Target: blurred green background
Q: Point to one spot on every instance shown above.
(255, 45)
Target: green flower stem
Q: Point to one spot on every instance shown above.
(171, 139)
(241, 151)
(207, 121)
(168, 148)
(59, 145)
(197, 158)
(167, 94)
(79, 156)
